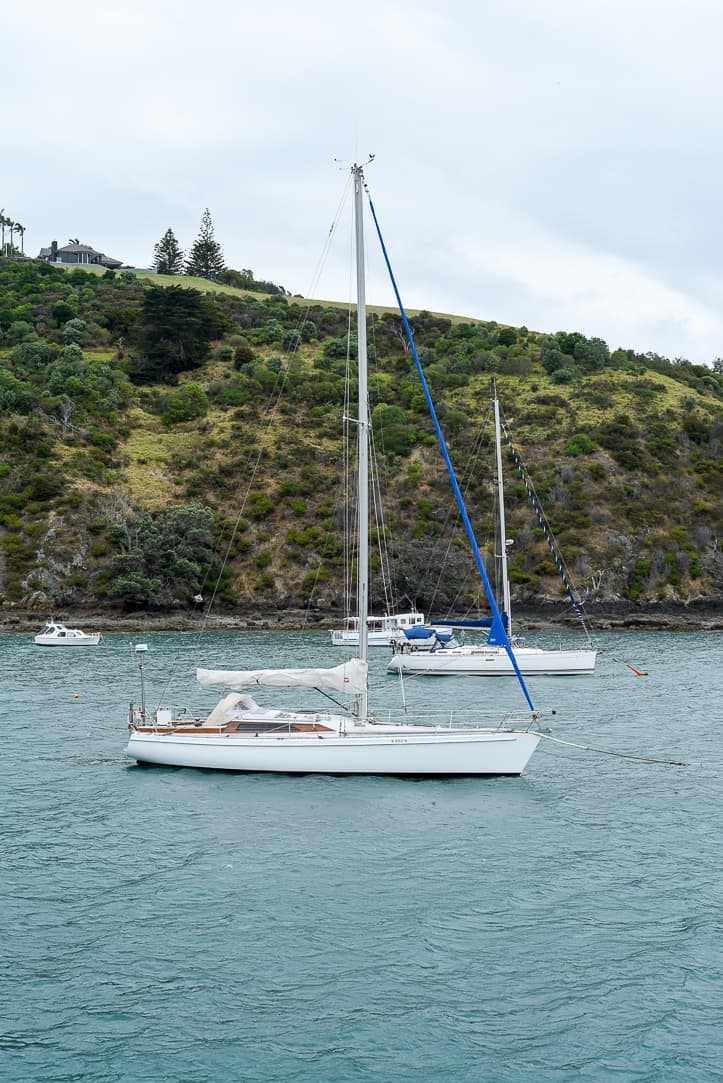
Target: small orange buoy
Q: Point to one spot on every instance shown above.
(637, 672)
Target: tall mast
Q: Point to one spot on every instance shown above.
(362, 436)
(503, 530)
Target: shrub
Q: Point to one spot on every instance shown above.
(103, 440)
(45, 486)
(260, 505)
(391, 429)
(31, 355)
(243, 355)
(74, 331)
(16, 395)
(563, 376)
(507, 336)
(580, 444)
(184, 404)
(637, 579)
(263, 558)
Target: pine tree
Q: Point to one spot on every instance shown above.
(167, 255)
(206, 256)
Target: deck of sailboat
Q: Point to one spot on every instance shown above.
(198, 729)
(372, 728)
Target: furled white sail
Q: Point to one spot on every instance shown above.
(349, 677)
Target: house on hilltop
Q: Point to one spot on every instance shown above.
(78, 255)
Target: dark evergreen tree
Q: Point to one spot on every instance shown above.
(178, 326)
(168, 255)
(206, 256)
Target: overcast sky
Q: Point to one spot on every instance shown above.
(553, 163)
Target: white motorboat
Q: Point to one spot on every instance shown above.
(55, 634)
(381, 631)
(240, 735)
(395, 629)
(492, 658)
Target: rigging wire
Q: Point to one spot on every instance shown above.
(379, 481)
(552, 544)
(381, 527)
(451, 526)
(630, 755)
(274, 397)
(270, 409)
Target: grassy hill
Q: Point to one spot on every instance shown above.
(157, 443)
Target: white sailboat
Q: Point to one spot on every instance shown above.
(239, 735)
(491, 658)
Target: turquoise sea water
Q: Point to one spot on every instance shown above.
(162, 924)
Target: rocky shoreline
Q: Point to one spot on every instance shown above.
(705, 615)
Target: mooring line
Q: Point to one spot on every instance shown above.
(631, 756)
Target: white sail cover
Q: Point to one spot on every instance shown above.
(349, 677)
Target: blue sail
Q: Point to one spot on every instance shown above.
(498, 633)
(497, 629)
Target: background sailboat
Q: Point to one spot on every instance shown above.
(241, 735)
(491, 658)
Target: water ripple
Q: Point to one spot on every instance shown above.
(186, 925)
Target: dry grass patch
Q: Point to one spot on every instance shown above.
(147, 475)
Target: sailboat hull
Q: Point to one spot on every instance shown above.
(432, 753)
(494, 662)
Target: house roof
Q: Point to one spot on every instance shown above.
(77, 249)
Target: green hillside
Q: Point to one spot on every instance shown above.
(162, 437)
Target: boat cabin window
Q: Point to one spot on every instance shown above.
(407, 620)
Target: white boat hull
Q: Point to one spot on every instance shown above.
(381, 631)
(400, 751)
(382, 639)
(374, 639)
(494, 662)
(67, 641)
